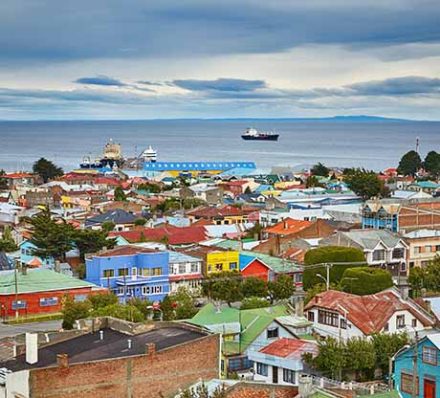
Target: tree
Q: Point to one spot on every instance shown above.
(416, 279)
(364, 183)
(386, 345)
(7, 243)
(320, 170)
(51, 238)
(3, 181)
(254, 287)
(249, 303)
(140, 222)
(282, 288)
(119, 195)
(121, 311)
(108, 226)
(409, 164)
(312, 182)
(432, 163)
(72, 311)
(427, 277)
(46, 169)
(361, 358)
(223, 286)
(144, 306)
(102, 300)
(365, 280)
(92, 241)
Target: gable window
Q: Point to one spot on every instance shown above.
(109, 273)
(272, 333)
(406, 383)
(400, 321)
(398, 253)
(311, 316)
(343, 323)
(429, 355)
(414, 323)
(379, 255)
(262, 369)
(328, 318)
(289, 376)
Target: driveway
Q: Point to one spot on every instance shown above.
(13, 330)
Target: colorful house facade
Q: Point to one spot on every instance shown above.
(130, 272)
(424, 358)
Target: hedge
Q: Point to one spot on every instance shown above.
(365, 280)
(330, 254)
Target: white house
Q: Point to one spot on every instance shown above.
(185, 271)
(342, 315)
(281, 362)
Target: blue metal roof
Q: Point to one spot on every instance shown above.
(196, 166)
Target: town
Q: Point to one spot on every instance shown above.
(220, 279)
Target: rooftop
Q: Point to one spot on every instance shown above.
(114, 344)
(288, 348)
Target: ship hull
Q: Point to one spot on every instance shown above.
(273, 137)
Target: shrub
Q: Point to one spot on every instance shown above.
(102, 300)
(121, 311)
(365, 280)
(254, 302)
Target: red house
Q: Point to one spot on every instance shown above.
(38, 291)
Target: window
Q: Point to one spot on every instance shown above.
(311, 316)
(398, 253)
(19, 304)
(156, 271)
(120, 291)
(400, 321)
(289, 376)
(406, 383)
(80, 298)
(232, 265)
(379, 255)
(328, 318)
(147, 290)
(428, 249)
(417, 250)
(182, 269)
(429, 355)
(123, 272)
(239, 363)
(219, 267)
(48, 301)
(386, 327)
(414, 323)
(343, 323)
(109, 273)
(437, 248)
(262, 369)
(272, 333)
(194, 268)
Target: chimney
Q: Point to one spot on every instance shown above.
(63, 360)
(129, 344)
(285, 226)
(101, 335)
(24, 269)
(305, 386)
(150, 349)
(58, 266)
(31, 348)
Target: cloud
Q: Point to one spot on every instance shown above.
(399, 86)
(100, 81)
(222, 85)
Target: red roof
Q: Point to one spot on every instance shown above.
(18, 175)
(187, 277)
(288, 226)
(285, 347)
(368, 313)
(216, 212)
(173, 235)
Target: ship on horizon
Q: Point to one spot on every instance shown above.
(252, 134)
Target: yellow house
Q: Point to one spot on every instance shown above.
(222, 260)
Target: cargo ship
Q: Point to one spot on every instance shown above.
(252, 134)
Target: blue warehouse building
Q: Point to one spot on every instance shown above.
(130, 272)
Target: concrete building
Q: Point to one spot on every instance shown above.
(423, 246)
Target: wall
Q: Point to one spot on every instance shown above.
(250, 390)
(146, 376)
(222, 257)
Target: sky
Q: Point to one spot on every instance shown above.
(150, 59)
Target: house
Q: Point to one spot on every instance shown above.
(280, 362)
(268, 268)
(112, 358)
(36, 291)
(423, 246)
(382, 248)
(185, 271)
(122, 219)
(410, 195)
(10, 214)
(286, 228)
(427, 351)
(209, 193)
(220, 215)
(15, 179)
(343, 315)
(242, 331)
(131, 271)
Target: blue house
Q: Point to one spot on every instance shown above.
(427, 366)
(131, 272)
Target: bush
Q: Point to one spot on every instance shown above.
(73, 311)
(102, 300)
(120, 311)
(365, 280)
(254, 287)
(250, 303)
(330, 254)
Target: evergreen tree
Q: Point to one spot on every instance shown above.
(364, 183)
(91, 241)
(432, 163)
(409, 164)
(7, 243)
(47, 170)
(3, 181)
(120, 195)
(282, 288)
(320, 170)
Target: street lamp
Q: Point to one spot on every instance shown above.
(327, 282)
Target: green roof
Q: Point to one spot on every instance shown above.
(279, 265)
(38, 280)
(229, 244)
(387, 394)
(253, 322)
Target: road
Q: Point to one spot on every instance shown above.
(13, 330)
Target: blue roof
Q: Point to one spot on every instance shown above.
(196, 166)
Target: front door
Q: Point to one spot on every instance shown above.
(428, 388)
(275, 375)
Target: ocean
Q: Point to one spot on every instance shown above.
(346, 143)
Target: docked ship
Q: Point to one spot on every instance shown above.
(252, 134)
(111, 158)
(149, 155)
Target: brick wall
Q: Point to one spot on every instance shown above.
(153, 375)
(422, 215)
(249, 390)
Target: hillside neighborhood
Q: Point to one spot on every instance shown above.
(221, 280)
